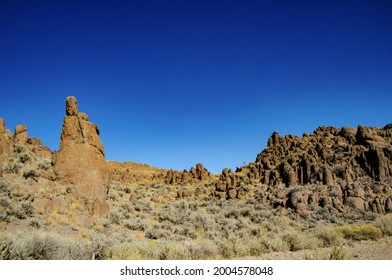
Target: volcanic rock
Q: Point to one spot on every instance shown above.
(20, 134)
(80, 160)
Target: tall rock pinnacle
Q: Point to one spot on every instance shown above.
(80, 160)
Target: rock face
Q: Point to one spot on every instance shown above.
(80, 160)
(5, 142)
(337, 169)
(329, 154)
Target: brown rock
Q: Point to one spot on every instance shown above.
(19, 129)
(355, 203)
(349, 134)
(83, 116)
(5, 142)
(20, 134)
(2, 126)
(80, 160)
(232, 193)
(221, 186)
(71, 106)
(388, 205)
(328, 177)
(220, 195)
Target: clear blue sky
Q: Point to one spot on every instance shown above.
(175, 83)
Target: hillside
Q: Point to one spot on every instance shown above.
(320, 190)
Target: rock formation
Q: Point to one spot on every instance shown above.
(5, 144)
(80, 160)
(331, 171)
(337, 169)
(198, 173)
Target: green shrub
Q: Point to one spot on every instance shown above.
(360, 232)
(338, 253)
(125, 251)
(277, 244)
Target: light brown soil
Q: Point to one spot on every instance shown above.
(361, 250)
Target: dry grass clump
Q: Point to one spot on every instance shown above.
(328, 236)
(336, 253)
(298, 240)
(384, 223)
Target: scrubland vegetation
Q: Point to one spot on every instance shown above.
(145, 222)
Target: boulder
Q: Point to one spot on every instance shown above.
(20, 134)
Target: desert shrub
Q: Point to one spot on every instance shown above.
(30, 174)
(5, 189)
(201, 249)
(35, 223)
(234, 247)
(116, 216)
(34, 247)
(44, 246)
(360, 232)
(328, 236)
(19, 149)
(257, 246)
(26, 209)
(277, 244)
(385, 224)
(136, 224)
(44, 165)
(232, 213)
(158, 233)
(338, 253)
(73, 249)
(298, 240)
(6, 240)
(125, 251)
(11, 167)
(202, 220)
(24, 157)
(99, 246)
(173, 251)
(184, 231)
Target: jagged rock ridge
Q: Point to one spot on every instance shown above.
(353, 165)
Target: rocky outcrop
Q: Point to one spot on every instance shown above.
(325, 157)
(198, 173)
(20, 134)
(5, 144)
(5, 139)
(80, 160)
(335, 169)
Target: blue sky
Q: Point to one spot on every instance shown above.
(175, 83)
